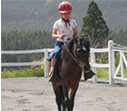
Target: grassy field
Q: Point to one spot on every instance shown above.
(102, 73)
(26, 72)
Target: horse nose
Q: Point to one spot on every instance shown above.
(87, 67)
(85, 64)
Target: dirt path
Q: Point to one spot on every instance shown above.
(36, 94)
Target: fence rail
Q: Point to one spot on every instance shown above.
(112, 47)
(45, 51)
(22, 64)
(25, 51)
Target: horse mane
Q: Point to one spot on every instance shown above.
(64, 52)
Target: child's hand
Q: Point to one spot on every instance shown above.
(61, 36)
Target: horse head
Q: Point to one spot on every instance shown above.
(82, 50)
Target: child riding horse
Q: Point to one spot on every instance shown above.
(75, 59)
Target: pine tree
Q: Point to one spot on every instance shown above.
(95, 26)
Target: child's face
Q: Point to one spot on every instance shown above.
(66, 16)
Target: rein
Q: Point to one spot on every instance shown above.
(70, 53)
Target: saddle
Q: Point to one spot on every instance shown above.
(56, 75)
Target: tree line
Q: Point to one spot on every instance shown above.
(15, 40)
(93, 24)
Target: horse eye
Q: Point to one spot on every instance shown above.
(83, 48)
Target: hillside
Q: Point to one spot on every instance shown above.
(34, 15)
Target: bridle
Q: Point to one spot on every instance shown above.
(74, 58)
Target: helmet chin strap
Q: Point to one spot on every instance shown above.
(66, 21)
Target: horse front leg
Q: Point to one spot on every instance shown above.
(63, 97)
(66, 99)
(58, 96)
(72, 95)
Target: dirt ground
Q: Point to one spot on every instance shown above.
(36, 94)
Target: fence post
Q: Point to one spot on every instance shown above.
(111, 62)
(122, 66)
(93, 68)
(45, 63)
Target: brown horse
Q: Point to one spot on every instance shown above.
(75, 56)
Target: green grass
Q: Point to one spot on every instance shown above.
(26, 72)
(102, 73)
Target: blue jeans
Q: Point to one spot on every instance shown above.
(57, 50)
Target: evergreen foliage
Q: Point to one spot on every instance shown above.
(119, 37)
(15, 40)
(95, 26)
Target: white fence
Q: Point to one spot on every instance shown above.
(45, 51)
(112, 47)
